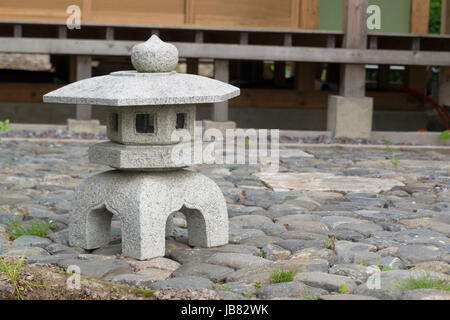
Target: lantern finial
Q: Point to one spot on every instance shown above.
(154, 55)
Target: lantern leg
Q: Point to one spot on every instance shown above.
(90, 228)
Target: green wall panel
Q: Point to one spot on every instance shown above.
(330, 14)
(395, 15)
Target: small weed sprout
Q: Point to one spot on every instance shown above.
(343, 288)
(247, 294)
(257, 285)
(308, 295)
(387, 145)
(395, 162)
(4, 126)
(226, 287)
(330, 242)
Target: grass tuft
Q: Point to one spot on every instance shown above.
(425, 282)
(4, 125)
(279, 276)
(387, 269)
(395, 162)
(11, 270)
(308, 295)
(387, 145)
(36, 228)
(145, 292)
(343, 288)
(445, 135)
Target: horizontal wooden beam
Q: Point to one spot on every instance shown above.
(25, 91)
(226, 29)
(293, 99)
(229, 29)
(230, 51)
(263, 98)
(177, 27)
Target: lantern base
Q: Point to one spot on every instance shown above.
(144, 201)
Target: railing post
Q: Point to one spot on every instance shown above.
(350, 113)
(83, 71)
(80, 69)
(221, 73)
(353, 77)
(109, 33)
(18, 31)
(444, 77)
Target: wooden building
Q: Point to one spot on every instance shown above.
(286, 54)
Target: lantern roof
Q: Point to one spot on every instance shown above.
(152, 83)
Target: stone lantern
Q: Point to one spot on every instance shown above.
(145, 110)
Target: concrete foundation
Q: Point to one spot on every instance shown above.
(350, 117)
(222, 126)
(249, 117)
(444, 94)
(83, 126)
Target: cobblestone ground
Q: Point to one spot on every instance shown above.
(333, 223)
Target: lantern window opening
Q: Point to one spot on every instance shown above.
(180, 121)
(145, 123)
(115, 122)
